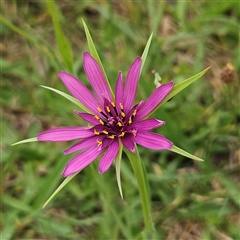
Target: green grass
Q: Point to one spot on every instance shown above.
(190, 200)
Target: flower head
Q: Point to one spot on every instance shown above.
(114, 120)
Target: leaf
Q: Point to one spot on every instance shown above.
(182, 85)
(69, 97)
(63, 184)
(118, 168)
(94, 52)
(184, 153)
(145, 52)
(26, 141)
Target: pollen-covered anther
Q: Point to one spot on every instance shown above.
(99, 143)
(108, 109)
(119, 124)
(90, 126)
(135, 112)
(123, 114)
(122, 134)
(101, 121)
(96, 132)
(105, 132)
(112, 136)
(130, 121)
(113, 104)
(97, 117)
(121, 105)
(100, 110)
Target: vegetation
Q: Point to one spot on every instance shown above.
(190, 200)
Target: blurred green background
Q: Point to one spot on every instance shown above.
(190, 200)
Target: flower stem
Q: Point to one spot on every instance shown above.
(140, 174)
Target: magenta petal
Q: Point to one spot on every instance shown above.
(131, 83)
(85, 143)
(109, 156)
(96, 77)
(79, 91)
(87, 117)
(60, 134)
(154, 100)
(152, 140)
(81, 161)
(128, 143)
(119, 90)
(147, 124)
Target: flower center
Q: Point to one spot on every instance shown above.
(114, 119)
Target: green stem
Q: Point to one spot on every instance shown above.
(140, 174)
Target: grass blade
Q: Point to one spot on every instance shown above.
(63, 44)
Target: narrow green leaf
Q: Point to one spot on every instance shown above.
(145, 52)
(94, 52)
(26, 141)
(184, 153)
(69, 97)
(118, 168)
(63, 184)
(63, 44)
(182, 85)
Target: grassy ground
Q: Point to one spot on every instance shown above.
(190, 201)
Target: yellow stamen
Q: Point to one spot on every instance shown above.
(123, 114)
(97, 117)
(119, 124)
(101, 121)
(105, 132)
(113, 104)
(121, 106)
(135, 112)
(122, 134)
(108, 109)
(112, 137)
(89, 126)
(99, 109)
(96, 132)
(130, 120)
(99, 143)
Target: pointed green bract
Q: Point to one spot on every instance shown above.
(184, 153)
(26, 141)
(63, 184)
(69, 97)
(182, 85)
(118, 168)
(179, 87)
(94, 52)
(145, 52)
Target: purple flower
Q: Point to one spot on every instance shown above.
(113, 119)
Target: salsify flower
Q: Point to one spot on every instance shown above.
(112, 120)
